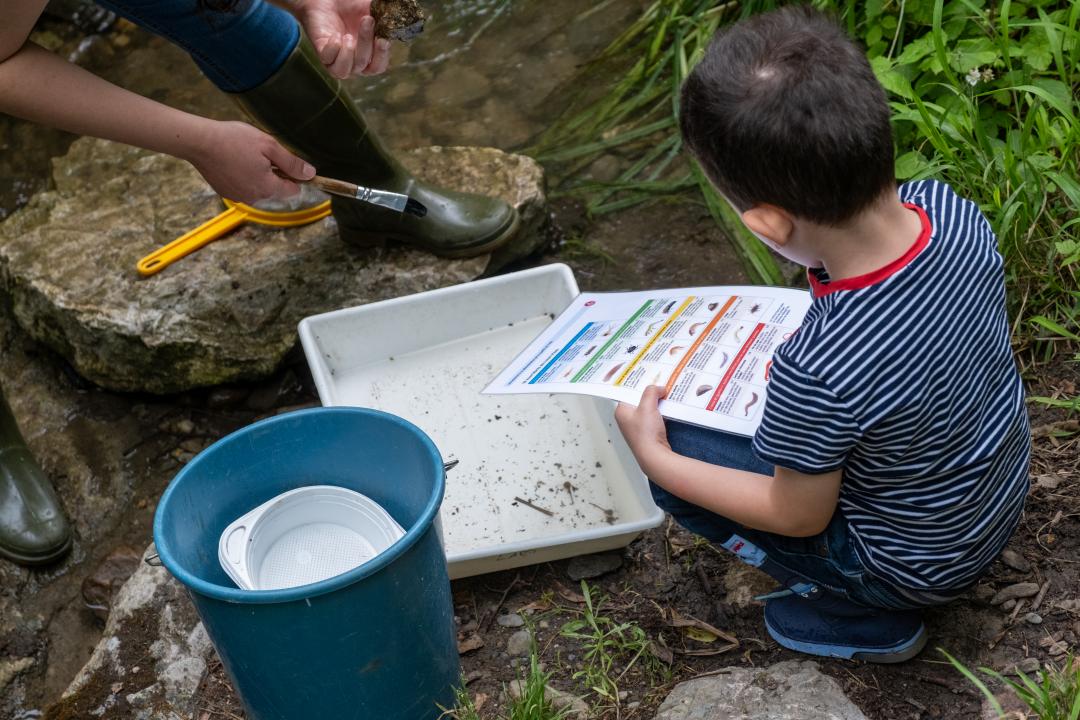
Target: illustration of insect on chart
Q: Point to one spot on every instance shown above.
(711, 347)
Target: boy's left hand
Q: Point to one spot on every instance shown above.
(643, 426)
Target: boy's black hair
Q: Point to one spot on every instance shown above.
(784, 109)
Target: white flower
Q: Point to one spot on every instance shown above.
(987, 75)
(973, 77)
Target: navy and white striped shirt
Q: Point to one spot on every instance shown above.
(905, 379)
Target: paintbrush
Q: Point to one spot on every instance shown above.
(383, 198)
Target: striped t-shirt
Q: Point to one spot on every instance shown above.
(905, 379)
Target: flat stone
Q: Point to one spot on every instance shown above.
(585, 567)
(791, 690)
(229, 311)
(151, 657)
(1015, 560)
(1008, 605)
(1033, 618)
(1015, 592)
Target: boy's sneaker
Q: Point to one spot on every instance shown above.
(833, 626)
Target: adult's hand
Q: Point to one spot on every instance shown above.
(238, 161)
(343, 32)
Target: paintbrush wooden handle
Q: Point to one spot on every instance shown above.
(334, 187)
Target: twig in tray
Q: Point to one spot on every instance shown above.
(537, 508)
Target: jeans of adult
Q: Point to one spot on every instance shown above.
(827, 560)
(238, 49)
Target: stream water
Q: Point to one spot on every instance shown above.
(482, 73)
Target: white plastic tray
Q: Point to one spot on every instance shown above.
(426, 358)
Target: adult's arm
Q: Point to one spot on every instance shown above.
(36, 85)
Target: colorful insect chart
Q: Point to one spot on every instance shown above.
(711, 347)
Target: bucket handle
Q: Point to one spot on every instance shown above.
(450, 464)
(153, 560)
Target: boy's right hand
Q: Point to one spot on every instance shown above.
(238, 159)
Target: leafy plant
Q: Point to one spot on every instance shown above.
(533, 702)
(638, 117)
(611, 648)
(1053, 695)
(984, 96)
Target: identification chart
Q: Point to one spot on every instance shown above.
(710, 347)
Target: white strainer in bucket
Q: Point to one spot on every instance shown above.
(304, 536)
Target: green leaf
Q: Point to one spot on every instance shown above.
(910, 164)
(916, 50)
(1035, 49)
(1054, 327)
(890, 79)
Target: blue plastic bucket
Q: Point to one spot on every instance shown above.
(376, 642)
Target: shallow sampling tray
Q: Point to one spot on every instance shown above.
(541, 477)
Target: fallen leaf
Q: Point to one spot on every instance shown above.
(569, 595)
(696, 633)
(679, 621)
(662, 653)
(469, 644)
(479, 700)
(537, 606)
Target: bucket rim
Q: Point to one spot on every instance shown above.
(259, 597)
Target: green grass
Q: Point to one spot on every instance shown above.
(984, 96)
(611, 649)
(1053, 694)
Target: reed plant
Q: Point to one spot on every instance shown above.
(984, 96)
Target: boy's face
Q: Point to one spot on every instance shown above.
(779, 231)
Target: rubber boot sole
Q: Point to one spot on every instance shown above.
(885, 655)
(359, 238)
(43, 559)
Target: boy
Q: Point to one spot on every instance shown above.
(891, 464)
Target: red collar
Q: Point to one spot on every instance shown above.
(873, 277)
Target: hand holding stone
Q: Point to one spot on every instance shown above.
(343, 32)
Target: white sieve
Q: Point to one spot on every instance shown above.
(304, 536)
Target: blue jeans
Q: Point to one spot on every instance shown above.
(237, 50)
(827, 560)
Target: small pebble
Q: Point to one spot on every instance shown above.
(623, 694)
(185, 426)
(633, 705)
(1033, 618)
(1048, 482)
(1016, 561)
(1026, 666)
(1008, 605)
(544, 624)
(512, 620)
(519, 643)
(1015, 592)
(585, 567)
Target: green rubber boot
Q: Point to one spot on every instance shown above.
(33, 530)
(308, 110)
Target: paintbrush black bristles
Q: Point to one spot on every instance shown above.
(415, 207)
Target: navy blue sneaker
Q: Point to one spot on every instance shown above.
(832, 626)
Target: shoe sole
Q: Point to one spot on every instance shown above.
(898, 653)
(43, 559)
(360, 239)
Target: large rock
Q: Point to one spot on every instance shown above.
(228, 312)
(150, 660)
(791, 690)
